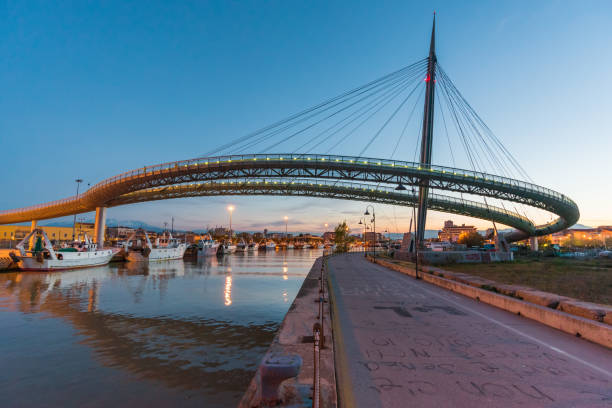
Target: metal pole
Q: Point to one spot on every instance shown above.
(78, 181)
(375, 237)
(416, 247)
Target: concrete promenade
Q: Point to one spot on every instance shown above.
(402, 342)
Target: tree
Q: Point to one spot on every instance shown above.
(341, 238)
(470, 239)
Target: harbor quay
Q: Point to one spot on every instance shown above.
(399, 341)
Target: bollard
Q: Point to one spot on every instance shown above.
(320, 322)
(275, 369)
(316, 378)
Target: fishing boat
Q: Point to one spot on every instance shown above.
(165, 248)
(242, 246)
(207, 247)
(228, 248)
(43, 257)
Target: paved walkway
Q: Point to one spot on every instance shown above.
(406, 343)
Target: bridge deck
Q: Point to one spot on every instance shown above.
(402, 342)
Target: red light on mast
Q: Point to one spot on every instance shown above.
(427, 78)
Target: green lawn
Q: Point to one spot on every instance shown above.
(589, 280)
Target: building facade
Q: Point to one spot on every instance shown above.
(451, 232)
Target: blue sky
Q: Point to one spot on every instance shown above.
(93, 89)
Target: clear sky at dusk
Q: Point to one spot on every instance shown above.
(93, 89)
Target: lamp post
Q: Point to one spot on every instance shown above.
(388, 240)
(230, 208)
(78, 181)
(363, 221)
(286, 222)
(374, 224)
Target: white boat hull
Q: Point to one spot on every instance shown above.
(70, 260)
(208, 251)
(228, 249)
(158, 254)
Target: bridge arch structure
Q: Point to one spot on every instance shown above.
(330, 176)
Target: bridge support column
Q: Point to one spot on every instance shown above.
(533, 242)
(100, 226)
(32, 228)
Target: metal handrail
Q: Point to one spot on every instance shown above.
(353, 160)
(93, 196)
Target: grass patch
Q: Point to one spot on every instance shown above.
(585, 279)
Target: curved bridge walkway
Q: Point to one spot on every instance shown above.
(345, 177)
(402, 342)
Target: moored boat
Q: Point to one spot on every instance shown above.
(165, 249)
(228, 248)
(207, 247)
(241, 246)
(43, 257)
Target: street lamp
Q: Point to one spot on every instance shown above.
(286, 222)
(363, 221)
(78, 181)
(374, 223)
(388, 240)
(230, 208)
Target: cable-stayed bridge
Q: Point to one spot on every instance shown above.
(357, 119)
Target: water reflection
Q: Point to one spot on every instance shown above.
(161, 333)
(228, 290)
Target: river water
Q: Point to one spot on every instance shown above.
(175, 333)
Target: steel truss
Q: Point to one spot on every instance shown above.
(319, 167)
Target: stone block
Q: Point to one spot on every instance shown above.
(587, 310)
(541, 298)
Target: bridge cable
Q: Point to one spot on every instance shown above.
(348, 94)
(401, 85)
(486, 130)
(387, 122)
(279, 131)
(376, 102)
(359, 125)
(399, 139)
(488, 153)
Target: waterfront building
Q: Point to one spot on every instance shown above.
(119, 233)
(582, 236)
(329, 235)
(451, 232)
(10, 235)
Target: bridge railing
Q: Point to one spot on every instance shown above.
(312, 159)
(322, 183)
(327, 159)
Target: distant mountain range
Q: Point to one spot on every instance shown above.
(580, 226)
(110, 222)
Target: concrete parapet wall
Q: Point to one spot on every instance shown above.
(294, 338)
(444, 257)
(583, 322)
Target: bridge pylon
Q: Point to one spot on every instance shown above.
(427, 136)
